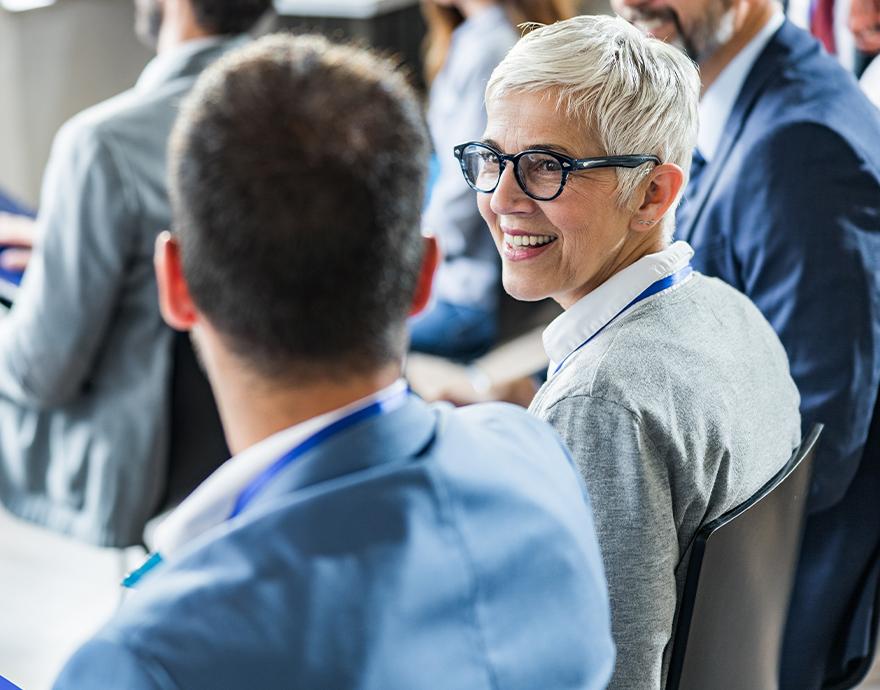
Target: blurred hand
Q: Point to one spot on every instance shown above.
(864, 22)
(434, 378)
(18, 233)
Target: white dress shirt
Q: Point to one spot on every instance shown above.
(591, 313)
(213, 501)
(717, 103)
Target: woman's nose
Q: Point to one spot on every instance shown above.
(508, 197)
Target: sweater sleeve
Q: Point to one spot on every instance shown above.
(628, 483)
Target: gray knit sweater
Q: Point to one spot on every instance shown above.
(675, 412)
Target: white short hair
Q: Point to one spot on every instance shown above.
(635, 94)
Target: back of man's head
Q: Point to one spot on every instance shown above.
(296, 179)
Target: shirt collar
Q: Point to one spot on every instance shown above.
(212, 502)
(717, 103)
(168, 62)
(586, 317)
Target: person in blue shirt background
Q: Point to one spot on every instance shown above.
(358, 538)
(466, 39)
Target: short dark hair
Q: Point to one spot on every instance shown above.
(297, 178)
(224, 17)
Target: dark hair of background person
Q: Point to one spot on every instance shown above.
(224, 17)
(442, 20)
(219, 17)
(297, 180)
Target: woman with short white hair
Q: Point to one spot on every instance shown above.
(671, 390)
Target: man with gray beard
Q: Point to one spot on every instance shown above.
(784, 205)
(85, 359)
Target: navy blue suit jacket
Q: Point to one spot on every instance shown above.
(426, 548)
(788, 212)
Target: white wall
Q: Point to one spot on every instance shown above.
(54, 62)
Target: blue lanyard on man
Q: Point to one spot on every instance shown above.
(385, 404)
(652, 289)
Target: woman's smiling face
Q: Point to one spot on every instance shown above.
(587, 228)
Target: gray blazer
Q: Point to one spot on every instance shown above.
(674, 413)
(84, 355)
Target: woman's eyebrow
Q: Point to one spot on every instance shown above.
(557, 148)
(553, 147)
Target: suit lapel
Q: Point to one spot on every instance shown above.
(767, 65)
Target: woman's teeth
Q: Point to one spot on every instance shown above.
(527, 240)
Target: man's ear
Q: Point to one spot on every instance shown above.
(426, 275)
(662, 189)
(175, 302)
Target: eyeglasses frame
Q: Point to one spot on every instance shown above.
(568, 165)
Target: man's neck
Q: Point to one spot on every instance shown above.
(749, 19)
(179, 26)
(253, 408)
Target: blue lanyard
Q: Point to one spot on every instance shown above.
(382, 406)
(652, 289)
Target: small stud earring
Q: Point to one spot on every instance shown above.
(646, 222)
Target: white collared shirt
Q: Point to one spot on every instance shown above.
(213, 501)
(592, 312)
(167, 61)
(717, 103)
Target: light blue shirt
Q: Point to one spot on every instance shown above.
(456, 114)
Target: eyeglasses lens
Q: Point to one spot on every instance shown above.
(482, 168)
(539, 174)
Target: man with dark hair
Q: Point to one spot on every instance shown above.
(358, 538)
(85, 359)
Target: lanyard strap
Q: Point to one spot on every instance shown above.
(390, 402)
(652, 289)
(382, 406)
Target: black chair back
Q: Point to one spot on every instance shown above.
(740, 574)
(197, 445)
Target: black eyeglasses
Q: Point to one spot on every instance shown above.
(541, 174)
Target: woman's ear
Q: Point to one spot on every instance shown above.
(664, 184)
(175, 302)
(430, 262)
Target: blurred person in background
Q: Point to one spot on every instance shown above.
(85, 360)
(466, 39)
(784, 205)
(864, 22)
